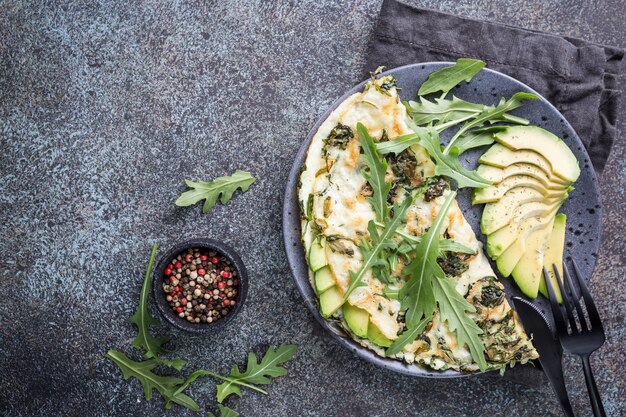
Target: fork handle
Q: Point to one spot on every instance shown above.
(594, 395)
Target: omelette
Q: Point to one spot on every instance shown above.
(333, 195)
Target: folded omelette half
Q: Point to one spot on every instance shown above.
(335, 214)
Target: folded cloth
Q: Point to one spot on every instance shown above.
(583, 80)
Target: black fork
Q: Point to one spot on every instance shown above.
(583, 337)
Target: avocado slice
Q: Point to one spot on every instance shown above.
(510, 257)
(499, 215)
(554, 255)
(528, 271)
(330, 301)
(496, 175)
(500, 240)
(323, 279)
(357, 319)
(317, 256)
(496, 192)
(533, 138)
(508, 260)
(375, 336)
(501, 157)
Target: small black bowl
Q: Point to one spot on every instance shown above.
(159, 275)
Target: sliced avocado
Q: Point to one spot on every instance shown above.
(330, 301)
(500, 240)
(554, 255)
(528, 271)
(357, 319)
(496, 175)
(497, 212)
(500, 156)
(552, 148)
(323, 279)
(496, 192)
(317, 257)
(510, 258)
(499, 215)
(375, 336)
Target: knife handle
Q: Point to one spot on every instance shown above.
(594, 395)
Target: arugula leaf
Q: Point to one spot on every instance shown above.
(375, 175)
(222, 188)
(449, 245)
(256, 373)
(447, 164)
(380, 260)
(428, 287)
(224, 412)
(447, 78)
(441, 109)
(380, 242)
(167, 386)
(197, 374)
(491, 114)
(417, 294)
(453, 308)
(476, 138)
(445, 245)
(407, 336)
(398, 145)
(143, 320)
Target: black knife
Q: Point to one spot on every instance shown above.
(548, 347)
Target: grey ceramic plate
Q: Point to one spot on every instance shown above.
(582, 208)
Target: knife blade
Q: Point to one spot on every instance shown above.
(548, 347)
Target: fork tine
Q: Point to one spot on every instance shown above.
(594, 316)
(567, 301)
(561, 326)
(569, 285)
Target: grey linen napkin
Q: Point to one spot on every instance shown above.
(583, 80)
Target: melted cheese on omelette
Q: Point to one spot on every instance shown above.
(335, 191)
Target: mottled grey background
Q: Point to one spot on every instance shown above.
(106, 106)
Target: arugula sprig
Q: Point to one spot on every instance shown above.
(442, 113)
(379, 243)
(449, 164)
(373, 253)
(209, 191)
(407, 336)
(376, 169)
(441, 110)
(445, 245)
(417, 294)
(492, 114)
(428, 287)
(256, 373)
(453, 309)
(143, 320)
(445, 164)
(477, 138)
(167, 386)
(447, 78)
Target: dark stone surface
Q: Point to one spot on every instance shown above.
(107, 106)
